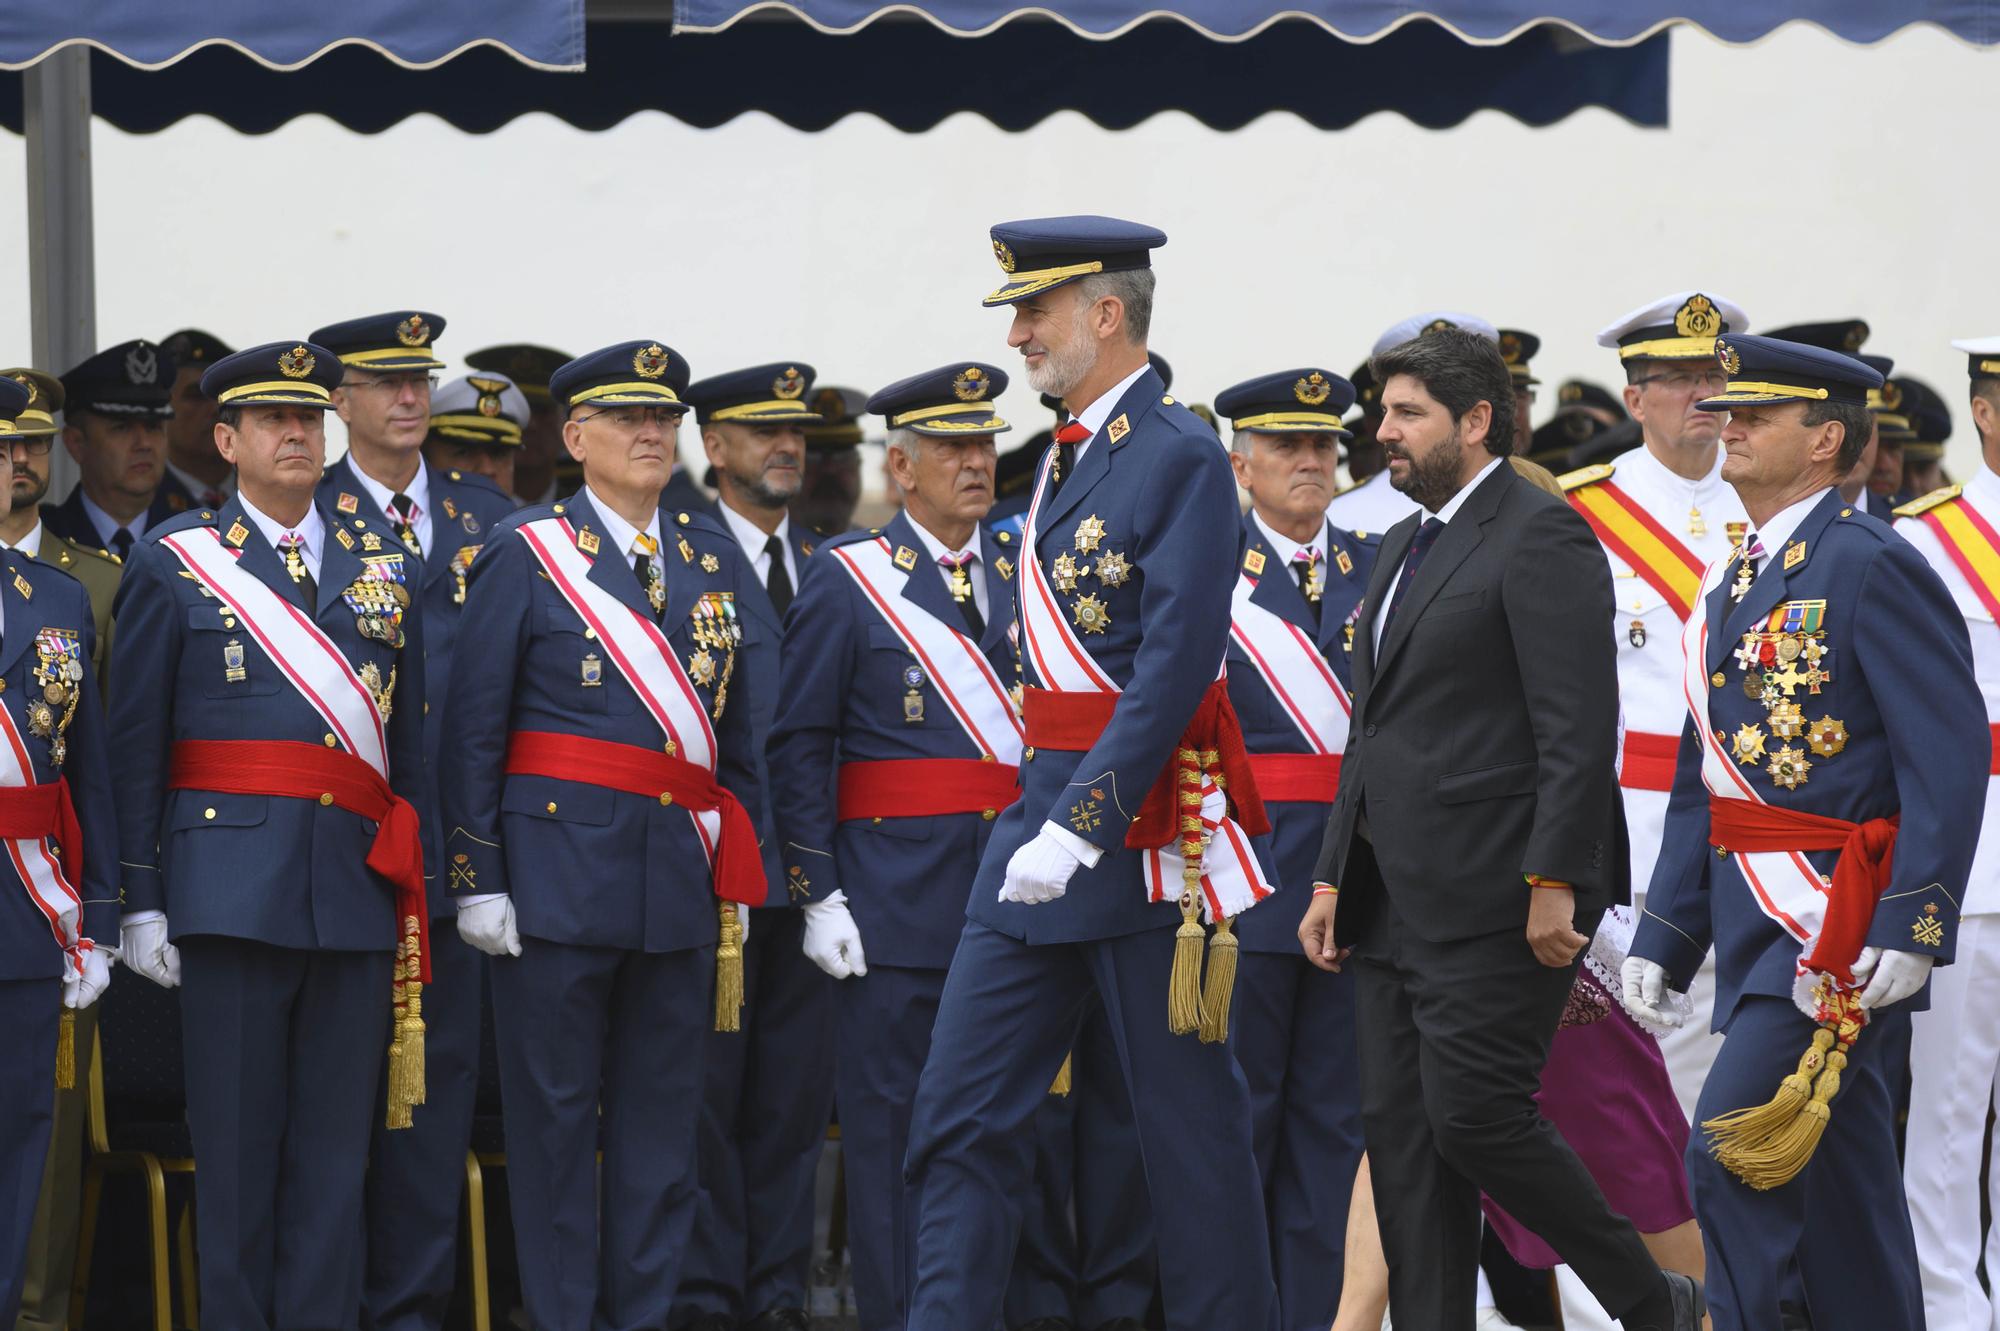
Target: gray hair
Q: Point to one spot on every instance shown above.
(1133, 289)
(905, 441)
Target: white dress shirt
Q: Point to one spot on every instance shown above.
(1286, 550)
(934, 550)
(753, 540)
(1093, 417)
(1779, 529)
(106, 525)
(418, 491)
(310, 528)
(31, 544)
(623, 534)
(1444, 515)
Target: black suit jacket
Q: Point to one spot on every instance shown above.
(1484, 739)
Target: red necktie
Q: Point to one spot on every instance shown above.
(1068, 435)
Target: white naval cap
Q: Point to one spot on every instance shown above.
(1410, 329)
(1985, 354)
(484, 407)
(1682, 326)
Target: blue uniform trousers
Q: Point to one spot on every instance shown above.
(766, 1105)
(1844, 1216)
(416, 1175)
(1008, 1016)
(601, 1048)
(1086, 1253)
(29, 1010)
(1295, 1040)
(284, 1054)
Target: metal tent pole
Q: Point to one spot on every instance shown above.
(62, 255)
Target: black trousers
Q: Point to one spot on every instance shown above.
(1461, 1030)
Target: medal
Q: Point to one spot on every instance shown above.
(913, 698)
(592, 671)
(1090, 614)
(1696, 526)
(1088, 533)
(1064, 572)
(1788, 768)
(1744, 575)
(232, 662)
(961, 586)
(1786, 721)
(383, 694)
(1636, 634)
(1748, 744)
(701, 667)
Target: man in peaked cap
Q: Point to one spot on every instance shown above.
(1930, 428)
(1374, 504)
(760, 1146)
(897, 743)
(268, 687)
(542, 452)
(601, 792)
(1517, 348)
(830, 487)
(1955, 1045)
(1819, 836)
(194, 469)
(1126, 717)
(475, 427)
(1662, 513)
(1847, 336)
(115, 408)
(1291, 644)
(440, 517)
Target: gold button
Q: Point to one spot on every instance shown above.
(1846, 512)
(325, 800)
(666, 798)
(558, 510)
(552, 806)
(1166, 402)
(876, 821)
(1722, 852)
(331, 742)
(208, 813)
(590, 634)
(988, 758)
(989, 814)
(427, 709)
(1718, 679)
(3, 686)
(1028, 754)
(229, 623)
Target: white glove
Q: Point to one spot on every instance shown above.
(1039, 871)
(143, 946)
(832, 940)
(1645, 986)
(1889, 977)
(81, 991)
(488, 924)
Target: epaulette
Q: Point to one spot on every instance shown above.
(64, 558)
(478, 482)
(850, 537)
(185, 521)
(1582, 476)
(694, 519)
(1925, 503)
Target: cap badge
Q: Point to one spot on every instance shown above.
(1570, 393)
(650, 362)
(1004, 255)
(971, 384)
(1313, 389)
(1857, 333)
(296, 363)
(827, 403)
(1436, 324)
(791, 384)
(34, 393)
(413, 331)
(1697, 318)
(142, 365)
(1510, 348)
(1892, 394)
(1732, 363)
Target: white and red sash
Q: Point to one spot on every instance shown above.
(1292, 668)
(1232, 881)
(55, 897)
(306, 657)
(1783, 884)
(640, 650)
(961, 674)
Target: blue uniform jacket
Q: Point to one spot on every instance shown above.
(758, 665)
(1915, 744)
(1297, 827)
(1158, 481)
(69, 521)
(272, 869)
(586, 865)
(844, 701)
(464, 511)
(38, 603)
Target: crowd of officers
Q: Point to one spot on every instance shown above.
(503, 708)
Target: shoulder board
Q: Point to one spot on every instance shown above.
(1582, 476)
(849, 538)
(1944, 494)
(183, 521)
(77, 554)
(470, 480)
(694, 519)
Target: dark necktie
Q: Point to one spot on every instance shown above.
(778, 582)
(293, 547)
(1306, 565)
(1068, 437)
(647, 569)
(121, 543)
(403, 512)
(959, 571)
(1420, 545)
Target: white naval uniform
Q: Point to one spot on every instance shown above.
(1955, 1046)
(1373, 506)
(1647, 629)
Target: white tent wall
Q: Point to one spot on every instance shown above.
(1802, 176)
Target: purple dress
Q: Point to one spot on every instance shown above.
(1605, 1088)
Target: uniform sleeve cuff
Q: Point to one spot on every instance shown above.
(1074, 844)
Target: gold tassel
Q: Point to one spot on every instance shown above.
(1768, 1145)
(729, 970)
(1061, 1085)
(66, 1051)
(1184, 982)
(397, 1096)
(1222, 950)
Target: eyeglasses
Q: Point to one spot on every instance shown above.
(34, 446)
(631, 418)
(1681, 381)
(391, 384)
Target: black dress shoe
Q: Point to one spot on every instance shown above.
(780, 1319)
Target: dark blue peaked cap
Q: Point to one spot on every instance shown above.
(625, 374)
(391, 343)
(771, 394)
(949, 402)
(1765, 369)
(1043, 253)
(296, 374)
(1310, 400)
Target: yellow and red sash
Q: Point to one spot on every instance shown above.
(1973, 546)
(1630, 532)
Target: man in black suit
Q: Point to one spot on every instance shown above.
(1477, 838)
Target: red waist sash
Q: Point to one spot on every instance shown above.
(738, 868)
(296, 770)
(924, 787)
(1072, 722)
(1649, 761)
(1310, 778)
(1867, 853)
(27, 812)
(1995, 769)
